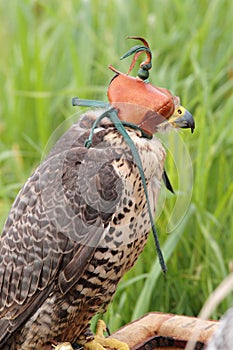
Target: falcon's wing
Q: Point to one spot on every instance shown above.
(60, 215)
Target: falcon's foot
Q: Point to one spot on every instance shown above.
(98, 342)
(63, 346)
(101, 343)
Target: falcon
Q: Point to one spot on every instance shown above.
(83, 217)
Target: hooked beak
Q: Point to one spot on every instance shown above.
(185, 120)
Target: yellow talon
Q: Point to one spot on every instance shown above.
(63, 346)
(100, 328)
(100, 342)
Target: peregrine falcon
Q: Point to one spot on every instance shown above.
(79, 223)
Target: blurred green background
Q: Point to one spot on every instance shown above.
(54, 50)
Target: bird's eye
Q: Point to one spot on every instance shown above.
(179, 111)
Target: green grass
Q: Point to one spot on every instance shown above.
(52, 51)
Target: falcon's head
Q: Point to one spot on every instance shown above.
(140, 103)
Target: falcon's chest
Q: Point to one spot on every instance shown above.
(130, 223)
(152, 155)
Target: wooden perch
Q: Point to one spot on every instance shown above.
(166, 331)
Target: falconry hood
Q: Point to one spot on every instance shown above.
(141, 103)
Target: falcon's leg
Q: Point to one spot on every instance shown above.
(98, 342)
